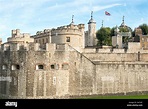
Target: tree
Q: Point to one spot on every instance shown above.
(144, 28)
(125, 29)
(104, 36)
(113, 31)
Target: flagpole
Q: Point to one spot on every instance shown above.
(104, 18)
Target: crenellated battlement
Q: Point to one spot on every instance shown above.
(112, 51)
(16, 33)
(32, 47)
(43, 32)
(18, 37)
(63, 47)
(68, 29)
(14, 47)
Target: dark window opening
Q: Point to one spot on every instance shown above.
(138, 56)
(39, 67)
(67, 39)
(15, 67)
(52, 67)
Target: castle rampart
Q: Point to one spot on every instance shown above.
(60, 71)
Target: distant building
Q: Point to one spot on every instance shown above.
(19, 38)
(71, 34)
(143, 39)
(122, 33)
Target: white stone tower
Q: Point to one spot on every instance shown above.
(91, 38)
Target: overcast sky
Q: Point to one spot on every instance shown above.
(31, 16)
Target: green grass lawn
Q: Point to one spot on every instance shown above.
(118, 97)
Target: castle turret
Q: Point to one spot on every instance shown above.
(17, 37)
(91, 38)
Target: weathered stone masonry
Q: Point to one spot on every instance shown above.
(59, 71)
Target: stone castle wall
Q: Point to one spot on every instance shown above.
(60, 71)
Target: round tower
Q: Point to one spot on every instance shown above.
(91, 38)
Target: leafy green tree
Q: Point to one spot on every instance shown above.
(144, 28)
(113, 31)
(104, 36)
(125, 29)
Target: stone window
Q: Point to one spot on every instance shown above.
(138, 56)
(36, 41)
(54, 66)
(15, 67)
(67, 39)
(65, 66)
(39, 67)
(4, 67)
